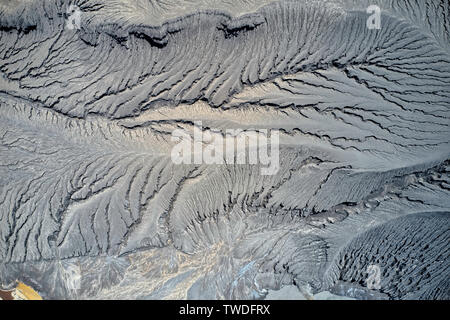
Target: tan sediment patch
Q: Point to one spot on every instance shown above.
(21, 292)
(28, 292)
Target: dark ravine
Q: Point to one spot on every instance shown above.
(92, 207)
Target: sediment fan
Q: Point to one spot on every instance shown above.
(89, 194)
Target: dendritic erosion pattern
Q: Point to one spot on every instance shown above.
(92, 205)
